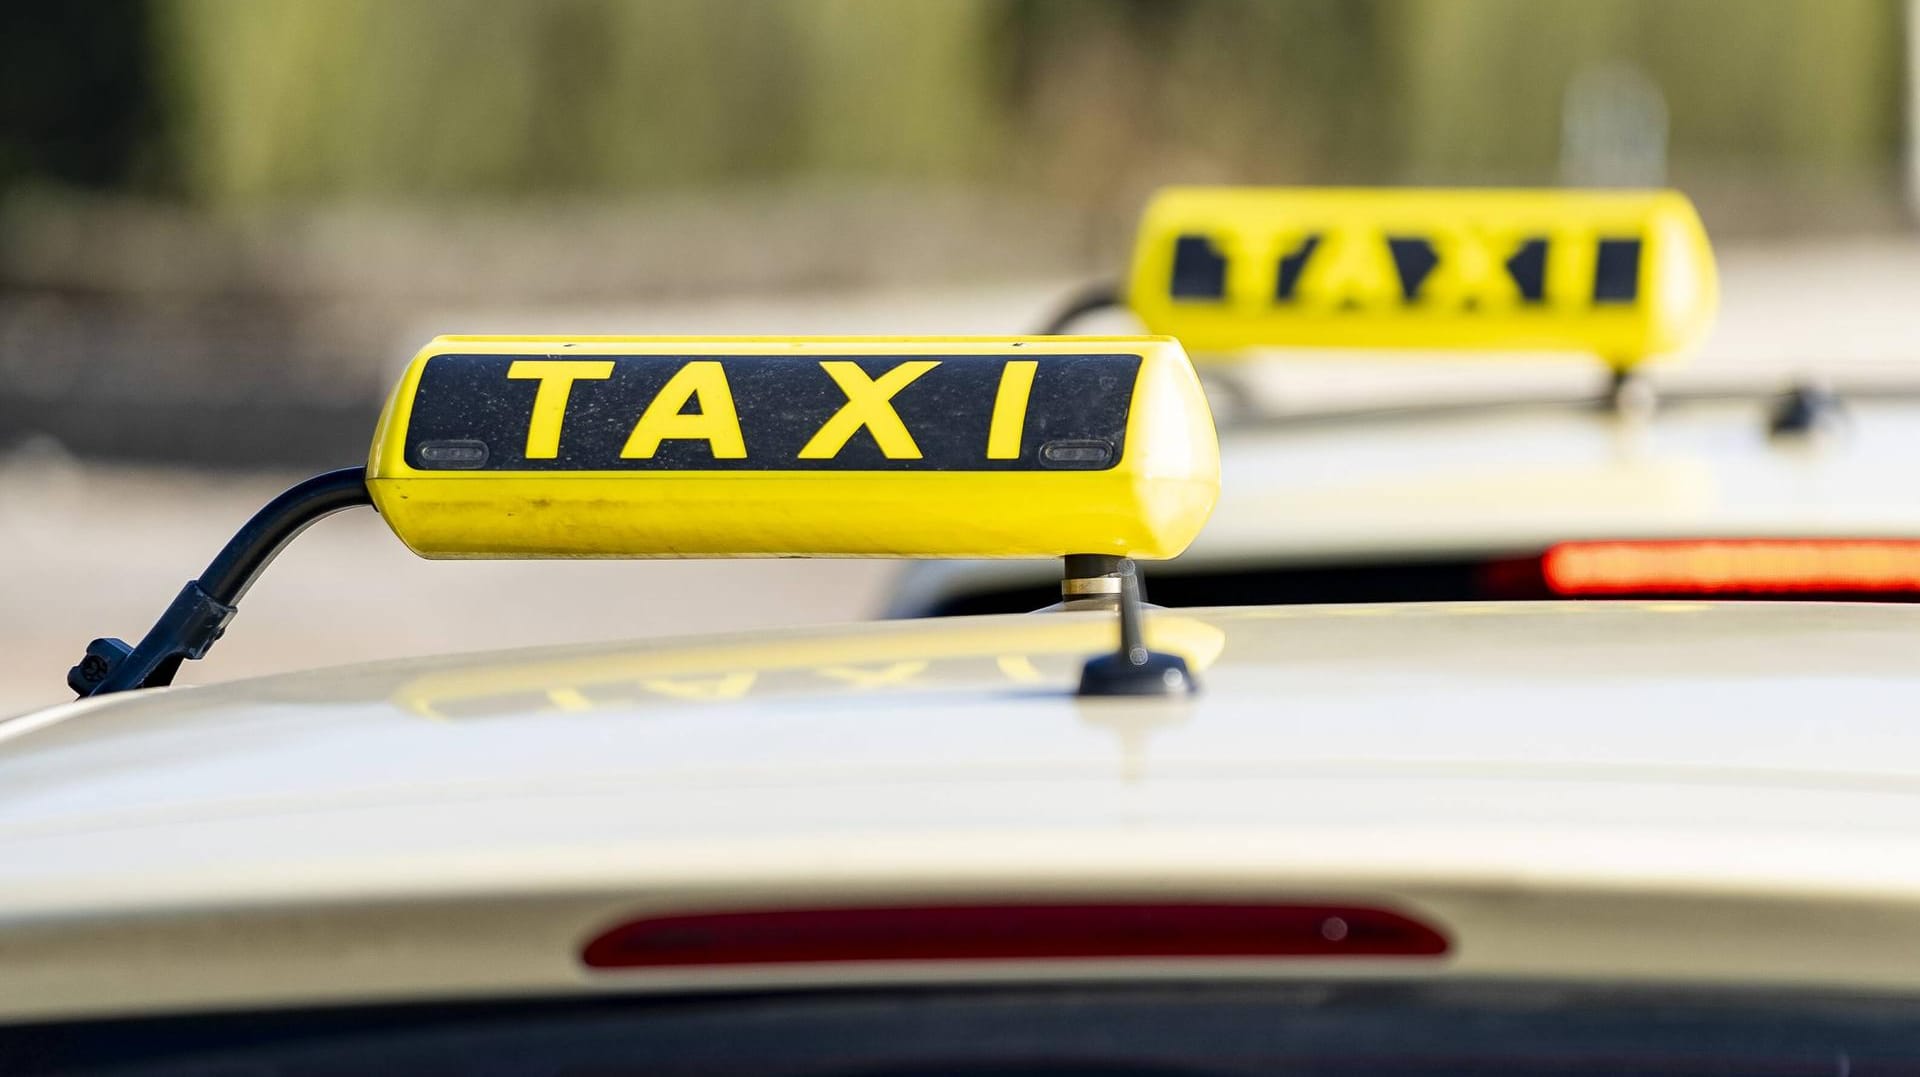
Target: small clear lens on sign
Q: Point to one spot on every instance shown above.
(458, 453)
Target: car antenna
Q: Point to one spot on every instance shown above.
(1133, 670)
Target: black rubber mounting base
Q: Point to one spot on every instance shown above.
(1150, 675)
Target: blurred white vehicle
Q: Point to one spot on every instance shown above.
(1498, 477)
(1717, 493)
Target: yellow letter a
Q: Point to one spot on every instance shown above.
(716, 423)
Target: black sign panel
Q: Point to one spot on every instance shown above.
(847, 412)
(1199, 271)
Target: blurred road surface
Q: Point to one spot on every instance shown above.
(98, 550)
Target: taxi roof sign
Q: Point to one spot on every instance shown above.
(1093, 449)
(738, 446)
(1623, 275)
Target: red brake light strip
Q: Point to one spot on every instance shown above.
(1012, 932)
(1733, 566)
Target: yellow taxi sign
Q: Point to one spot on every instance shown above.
(1623, 275)
(742, 447)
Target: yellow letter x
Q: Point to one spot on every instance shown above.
(867, 405)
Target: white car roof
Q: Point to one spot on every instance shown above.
(1463, 760)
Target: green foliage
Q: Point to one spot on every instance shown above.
(452, 97)
(248, 100)
(1805, 84)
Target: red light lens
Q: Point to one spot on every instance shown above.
(1734, 566)
(1011, 932)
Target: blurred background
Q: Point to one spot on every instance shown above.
(226, 224)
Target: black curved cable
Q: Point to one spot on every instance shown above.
(199, 614)
(1104, 296)
(280, 521)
